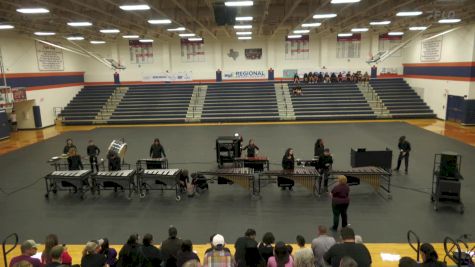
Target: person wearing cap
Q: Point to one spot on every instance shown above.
(348, 248)
(212, 247)
(218, 256)
(29, 248)
(171, 247)
(55, 255)
(91, 256)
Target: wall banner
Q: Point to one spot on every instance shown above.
(242, 75)
(348, 47)
(168, 76)
(192, 51)
(140, 53)
(49, 57)
(297, 48)
(253, 53)
(431, 49)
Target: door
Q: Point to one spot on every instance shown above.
(455, 108)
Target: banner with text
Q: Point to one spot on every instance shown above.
(168, 76)
(297, 48)
(192, 51)
(388, 43)
(242, 75)
(431, 49)
(348, 47)
(140, 53)
(49, 57)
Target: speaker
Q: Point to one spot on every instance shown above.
(224, 15)
(448, 165)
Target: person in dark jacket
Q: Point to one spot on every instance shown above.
(288, 164)
(109, 253)
(430, 258)
(265, 247)
(131, 255)
(319, 148)
(247, 253)
(171, 247)
(340, 202)
(156, 151)
(114, 161)
(324, 165)
(251, 148)
(68, 146)
(74, 160)
(93, 151)
(152, 255)
(186, 254)
(348, 248)
(404, 149)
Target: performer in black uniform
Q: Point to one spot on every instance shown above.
(324, 166)
(319, 148)
(156, 152)
(404, 149)
(251, 149)
(69, 145)
(93, 151)
(288, 163)
(74, 160)
(114, 161)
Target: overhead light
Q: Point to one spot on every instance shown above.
(295, 36)
(418, 28)
(134, 7)
(130, 36)
(45, 33)
(324, 16)
(179, 29)
(243, 33)
(159, 21)
(345, 34)
(196, 39)
(33, 10)
(239, 3)
(301, 31)
(450, 20)
(242, 26)
(395, 33)
(186, 34)
(97, 42)
(75, 38)
(146, 40)
(409, 13)
(6, 27)
(344, 1)
(308, 25)
(110, 31)
(244, 18)
(359, 29)
(245, 38)
(384, 22)
(80, 24)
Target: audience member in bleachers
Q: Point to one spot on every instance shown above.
(152, 255)
(265, 247)
(186, 253)
(130, 254)
(298, 90)
(327, 78)
(333, 78)
(251, 149)
(320, 77)
(114, 161)
(357, 252)
(69, 145)
(212, 247)
(324, 166)
(93, 151)
(282, 257)
(348, 262)
(340, 77)
(319, 148)
(348, 76)
(303, 257)
(404, 150)
(50, 242)
(28, 250)
(247, 253)
(430, 258)
(366, 77)
(218, 256)
(55, 257)
(296, 78)
(340, 202)
(91, 256)
(288, 163)
(305, 78)
(108, 252)
(321, 245)
(407, 262)
(171, 247)
(312, 77)
(74, 160)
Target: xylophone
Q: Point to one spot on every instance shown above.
(258, 163)
(241, 176)
(377, 177)
(113, 180)
(76, 181)
(158, 163)
(166, 179)
(307, 162)
(305, 176)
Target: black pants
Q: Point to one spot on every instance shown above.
(406, 160)
(326, 175)
(284, 182)
(93, 161)
(340, 210)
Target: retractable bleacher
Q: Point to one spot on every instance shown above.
(401, 99)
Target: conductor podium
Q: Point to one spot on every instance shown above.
(446, 181)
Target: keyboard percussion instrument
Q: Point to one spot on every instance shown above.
(72, 181)
(159, 179)
(114, 180)
(243, 177)
(305, 176)
(378, 178)
(258, 163)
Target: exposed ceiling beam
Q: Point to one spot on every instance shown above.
(264, 16)
(290, 12)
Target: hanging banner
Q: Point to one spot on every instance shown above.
(49, 57)
(192, 51)
(253, 53)
(19, 94)
(297, 48)
(168, 76)
(388, 43)
(140, 53)
(348, 47)
(6, 97)
(431, 49)
(243, 75)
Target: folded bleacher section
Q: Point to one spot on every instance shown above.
(84, 107)
(153, 104)
(400, 99)
(330, 102)
(250, 101)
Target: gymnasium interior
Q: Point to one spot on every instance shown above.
(123, 118)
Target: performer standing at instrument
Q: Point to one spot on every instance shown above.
(156, 150)
(324, 166)
(288, 163)
(74, 160)
(340, 202)
(251, 149)
(93, 151)
(319, 148)
(114, 161)
(404, 149)
(69, 145)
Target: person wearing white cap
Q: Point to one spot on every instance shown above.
(29, 248)
(218, 256)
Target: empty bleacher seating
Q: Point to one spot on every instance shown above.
(400, 99)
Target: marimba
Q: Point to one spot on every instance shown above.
(376, 177)
(114, 180)
(258, 163)
(307, 162)
(240, 176)
(163, 179)
(305, 176)
(157, 163)
(76, 181)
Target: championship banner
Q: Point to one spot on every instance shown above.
(242, 75)
(49, 57)
(6, 97)
(168, 77)
(19, 94)
(388, 43)
(140, 53)
(192, 51)
(297, 48)
(431, 49)
(253, 53)
(348, 47)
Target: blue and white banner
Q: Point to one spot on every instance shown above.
(167, 76)
(243, 75)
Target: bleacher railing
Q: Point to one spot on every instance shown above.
(4, 244)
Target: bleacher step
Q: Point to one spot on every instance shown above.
(110, 106)
(284, 101)
(195, 107)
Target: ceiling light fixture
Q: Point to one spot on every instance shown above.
(179, 29)
(449, 21)
(409, 13)
(6, 27)
(243, 33)
(242, 26)
(33, 10)
(301, 31)
(134, 7)
(308, 25)
(244, 18)
(359, 29)
(146, 40)
(344, 1)
(80, 24)
(395, 33)
(97, 42)
(239, 3)
(45, 33)
(130, 36)
(159, 21)
(345, 34)
(324, 16)
(376, 23)
(418, 28)
(196, 39)
(187, 35)
(75, 38)
(110, 31)
(294, 36)
(245, 38)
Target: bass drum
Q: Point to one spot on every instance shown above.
(118, 147)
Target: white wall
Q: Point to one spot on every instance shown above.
(24, 113)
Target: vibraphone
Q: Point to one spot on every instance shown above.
(257, 163)
(76, 181)
(377, 177)
(163, 179)
(114, 180)
(240, 176)
(305, 176)
(61, 163)
(158, 163)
